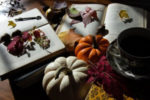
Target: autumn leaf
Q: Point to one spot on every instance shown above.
(11, 23)
(88, 16)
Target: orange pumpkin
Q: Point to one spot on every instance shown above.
(91, 48)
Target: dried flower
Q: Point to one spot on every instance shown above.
(41, 39)
(45, 43)
(102, 73)
(36, 33)
(19, 41)
(16, 46)
(26, 36)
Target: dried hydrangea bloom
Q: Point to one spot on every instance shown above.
(16, 46)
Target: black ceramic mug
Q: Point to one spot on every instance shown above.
(134, 46)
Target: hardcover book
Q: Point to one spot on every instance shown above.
(115, 16)
(41, 35)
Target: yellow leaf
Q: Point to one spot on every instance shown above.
(123, 14)
(11, 23)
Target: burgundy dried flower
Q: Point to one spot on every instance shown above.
(36, 33)
(26, 36)
(16, 46)
(19, 42)
(102, 73)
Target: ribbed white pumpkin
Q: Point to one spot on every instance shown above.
(65, 79)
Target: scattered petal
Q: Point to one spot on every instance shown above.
(88, 16)
(41, 39)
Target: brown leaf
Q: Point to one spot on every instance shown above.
(69, 38)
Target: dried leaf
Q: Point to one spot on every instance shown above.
(69, 38)
(124, 16)
(88, 16)
(11, 23)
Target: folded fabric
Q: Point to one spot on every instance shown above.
(98, 93)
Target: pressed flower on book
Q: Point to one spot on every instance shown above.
(22, 42)
(87, 16)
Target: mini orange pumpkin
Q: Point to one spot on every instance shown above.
(91, 48)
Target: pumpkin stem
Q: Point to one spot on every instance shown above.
(95, 45)
(65, 70)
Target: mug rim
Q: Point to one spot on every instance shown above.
(127, 53)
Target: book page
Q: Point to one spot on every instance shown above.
(114, 22)
(10, 63)
(91, 28)
(23, 25)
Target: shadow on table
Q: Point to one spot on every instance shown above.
(139, 89)
(29, 86)
(34, 92)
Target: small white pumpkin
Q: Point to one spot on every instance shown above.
(65, 79)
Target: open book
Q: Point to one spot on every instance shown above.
(116, 17)
(10, 63)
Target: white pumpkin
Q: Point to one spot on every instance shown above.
(65, 79)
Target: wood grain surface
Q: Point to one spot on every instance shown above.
(5, 91)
